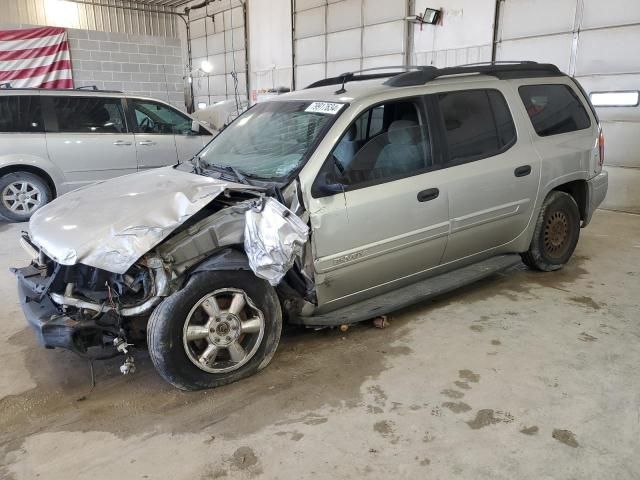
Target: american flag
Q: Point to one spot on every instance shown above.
(35, 57)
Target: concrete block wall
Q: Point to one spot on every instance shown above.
(136, 64)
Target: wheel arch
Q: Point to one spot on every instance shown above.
(225, 259)
(34, 170)
(579, 190)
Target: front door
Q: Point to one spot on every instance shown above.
(88, 138)
(492, 178)
(155, 124)
(390, 222)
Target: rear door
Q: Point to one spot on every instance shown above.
(391, 221)
(88, 137)
(492, 175)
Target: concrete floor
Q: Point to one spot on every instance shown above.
(524, 375)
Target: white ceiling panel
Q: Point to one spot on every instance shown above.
(344, 15)
(198, 28)
(199, 47)
(310, 50)
(611, 50)
(597, 13)
(237, 41)
(522, 18)
(384, 39)
(378, 11)
(310, 23)
(554, 49)
(215, 43)
(344, 45)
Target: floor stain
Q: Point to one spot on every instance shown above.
(374, 410)
(424, 462)
(452, 393)
(243, 458)
(463, 385)
(316, 421)
(529, 430)
(587, 301)
(486, 417)
(379, 396)
(565, 436)
(469, 376)
(385, 428)
(496, 342)
(585, 337)
(476, 328)
(457, 407)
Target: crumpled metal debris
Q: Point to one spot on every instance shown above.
(273, 237)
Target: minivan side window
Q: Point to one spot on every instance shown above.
(152, 117)
(554, 109)
(477, 124)
(387, 142)
(21, 114)
(87, 115)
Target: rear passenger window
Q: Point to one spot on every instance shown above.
(20, 114)
(554, 109)
(88, 115)
(477, 124)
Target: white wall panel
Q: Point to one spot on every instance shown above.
(623, 193)
(344, 15)
(217, 62)
(622, 144)
(611, 50)
(521, 18)
(597, 13)
(554, 49)
(344, 45)
(310, 50)
(218, 85)
(215, 43)
(240, 61)
(307, 74)
(307, 4)
(383, 39)
(198, 28)
(199, 47)
(337, 68)
(234, 38)
(310, 22)
(378, 11)
(383, 61)
(604, 83)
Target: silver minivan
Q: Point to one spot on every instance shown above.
(54, 141)
(331, 205)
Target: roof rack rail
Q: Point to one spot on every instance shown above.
(343, 78)
(501, 70)
(94, 88)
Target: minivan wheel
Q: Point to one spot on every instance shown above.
(221, 327)
(556, 233)
(21, 194)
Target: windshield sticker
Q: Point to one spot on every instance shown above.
(329, 108)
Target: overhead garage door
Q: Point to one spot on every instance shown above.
(218, 35)
(597, 43)
(332, 37)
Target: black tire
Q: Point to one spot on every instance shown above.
(14, 210)
(165, 329)
(556, 233)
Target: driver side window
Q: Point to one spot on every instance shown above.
(387, 142)
(156, 118)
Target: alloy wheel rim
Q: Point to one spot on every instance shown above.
(556, 234)
(22, 197)
(223, 331)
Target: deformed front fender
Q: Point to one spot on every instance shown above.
(225, 259)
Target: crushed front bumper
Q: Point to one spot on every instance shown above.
(52, 328)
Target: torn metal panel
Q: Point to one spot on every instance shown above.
(111, 224)
(273, 237)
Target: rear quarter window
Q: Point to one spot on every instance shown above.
(20, 114)
(554, 109)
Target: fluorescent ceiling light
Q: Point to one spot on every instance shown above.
(615, 99)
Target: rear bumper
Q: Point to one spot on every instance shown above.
(597, 189)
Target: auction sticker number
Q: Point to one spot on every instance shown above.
(324, 107)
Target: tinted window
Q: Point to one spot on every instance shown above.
(88, 115)
(477, 124)
(154, 117)
(20, 114)
(554, 109)
(386, 142)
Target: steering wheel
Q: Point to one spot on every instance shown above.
(147, 124)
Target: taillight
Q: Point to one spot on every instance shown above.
(601, 146)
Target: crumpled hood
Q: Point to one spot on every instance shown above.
(109, 225)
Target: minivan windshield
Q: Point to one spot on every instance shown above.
(272, 139)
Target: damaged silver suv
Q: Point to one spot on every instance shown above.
(352, 198)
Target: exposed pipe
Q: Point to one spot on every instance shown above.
(496, 31)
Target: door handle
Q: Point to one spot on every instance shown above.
(429, 194)
(146, 142)
(522, 171)
(121, 142)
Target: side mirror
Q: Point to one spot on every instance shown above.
(326, 184)
(195, 127)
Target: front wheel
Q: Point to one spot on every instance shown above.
(21, 194)
(221, 327)
(556, 233)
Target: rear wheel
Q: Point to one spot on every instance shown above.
(221, 327)
(556, 233)
(21, 194)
